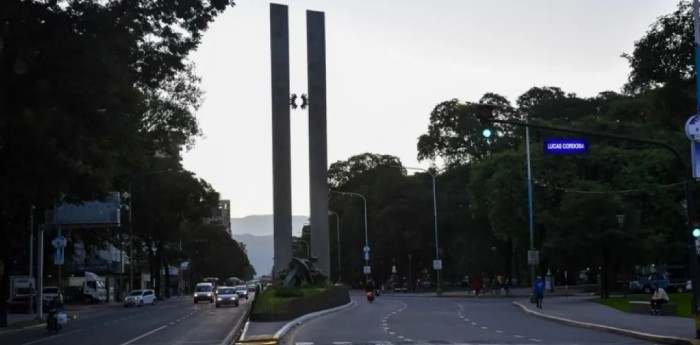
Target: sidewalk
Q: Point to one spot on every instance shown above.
(515, 293)
(584, 312)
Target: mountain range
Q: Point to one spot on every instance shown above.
(256, 233)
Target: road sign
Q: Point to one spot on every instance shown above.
(569, 146)
(59, 242)
(437, 264)
(533, 257)
(367, 270)
(365, 249)
(692, 131)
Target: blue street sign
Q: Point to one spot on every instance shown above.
(692, 130)
(567, 146)
(58, 256)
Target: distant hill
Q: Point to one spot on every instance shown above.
(261, 225)
(256, 233)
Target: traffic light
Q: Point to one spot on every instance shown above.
(696, 232)
(487, 133)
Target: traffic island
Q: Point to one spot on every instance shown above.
(284, 303)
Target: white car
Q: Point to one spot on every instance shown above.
(242, 291)
(140, 297)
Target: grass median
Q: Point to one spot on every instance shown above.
(277, 299)
(682, 300)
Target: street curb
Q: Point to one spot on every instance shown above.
(237, 328)
(298, 321)
(621, 331)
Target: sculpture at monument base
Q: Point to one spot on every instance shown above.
(303, 272)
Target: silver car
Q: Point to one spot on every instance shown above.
(242, 291)
(226, 296)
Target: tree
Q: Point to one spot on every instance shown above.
(73, 79)
(665, 55)
(456, 135)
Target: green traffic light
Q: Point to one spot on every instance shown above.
(696, 232)
(486, 133)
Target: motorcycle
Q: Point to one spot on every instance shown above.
(370, 296)
(54, 320)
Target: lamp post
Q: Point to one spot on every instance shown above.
(129, 195)
(437, 266)
(337, 229)
(31, 256)
(366, 248)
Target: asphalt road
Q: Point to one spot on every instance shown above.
(425, 320)
(176, 321)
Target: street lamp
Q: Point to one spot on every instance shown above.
(337, 229)
(437, 266)
(129, 195)
(366, 248)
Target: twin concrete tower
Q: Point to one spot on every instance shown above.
(281, 155)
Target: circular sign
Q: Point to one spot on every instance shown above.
(692, 127)
(365, 249)
(59, 242)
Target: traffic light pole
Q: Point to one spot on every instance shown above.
(688, 195)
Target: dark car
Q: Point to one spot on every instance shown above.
(226, 296)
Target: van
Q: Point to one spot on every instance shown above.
(204, 292)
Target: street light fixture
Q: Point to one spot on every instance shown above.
(129, 195)
(337, 229)
(437, 266)
(364, 200)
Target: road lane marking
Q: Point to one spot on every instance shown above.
(473, 323)
(484, 327)
(143, 335)
(298, 343)
(52, 337)
(342, 343)
(499, 332)
(392, 333)
(518, 336)
(535, 340)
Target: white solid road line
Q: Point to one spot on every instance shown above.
(143, 335)
(52, 337)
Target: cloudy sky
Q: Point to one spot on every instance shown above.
(389, 63)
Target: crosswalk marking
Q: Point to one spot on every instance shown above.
(415, 342)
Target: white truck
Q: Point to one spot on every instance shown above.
(90, 288)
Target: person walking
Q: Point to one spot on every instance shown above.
(539, 291)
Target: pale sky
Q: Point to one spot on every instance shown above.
(389, 62)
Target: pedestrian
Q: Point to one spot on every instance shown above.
(539, 291)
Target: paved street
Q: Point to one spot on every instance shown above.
(413, 320)
(177, 321)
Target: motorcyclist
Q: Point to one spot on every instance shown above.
(56, 304)
(54, 307)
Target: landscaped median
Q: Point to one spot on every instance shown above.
(279, 303)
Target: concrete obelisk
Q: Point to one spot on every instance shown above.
(318, 153)
(281, 155)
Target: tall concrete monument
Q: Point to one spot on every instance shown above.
(318, 153)
(281, 156)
